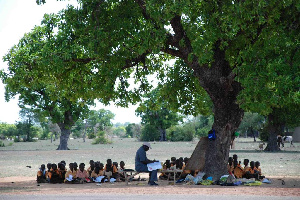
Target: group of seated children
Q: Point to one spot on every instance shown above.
(96, 172)
(252, 171)
(173, 164)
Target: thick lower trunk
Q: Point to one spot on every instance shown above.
(274, 130)
(162, 134)
(64, 137)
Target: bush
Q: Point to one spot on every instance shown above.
(181, 133)
(2, 144)
(149, 133)
(101, 139)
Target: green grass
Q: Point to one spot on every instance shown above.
(16, 157)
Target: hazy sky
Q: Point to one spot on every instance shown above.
(18, 17)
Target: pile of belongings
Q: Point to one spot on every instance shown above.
(225, 180)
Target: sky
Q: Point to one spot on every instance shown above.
(19, 17)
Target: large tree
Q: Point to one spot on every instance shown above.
(212, 38)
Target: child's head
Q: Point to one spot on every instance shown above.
(252, 164)
(115, 164)
(246, 162)
(75, 165)
(92, 162)
(235, 157)
(235, 163)
(71, 166)
(109, 161)
(81, 166)
(122, 164)
(257, 164)
(185, 160)
(63, 162)
(101, 166)
(230, 160)
(49, 166)
(97, 169)
(54, 166)
(97, 164)
(179, 164)
(62, 167)
(43, 167)
(173, 159)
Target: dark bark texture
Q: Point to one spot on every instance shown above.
(65, 128)
(274, 129)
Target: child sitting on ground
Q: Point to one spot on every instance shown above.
(82, 174)
(41, 174)
(62, 172)
(97, 173)
(257, 165)
(91, 168)
(109, 169)
(54, 175)
(252, 171)
(238, 170)
(121, 171)
(71, 172)
(230, 166)
(166, 166)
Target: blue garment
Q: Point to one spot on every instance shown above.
(141, 167)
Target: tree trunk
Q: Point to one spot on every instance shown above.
(64, 137)
(274, 129)
(198, 156)
(65, 128)
(162, 134)
(218, 81)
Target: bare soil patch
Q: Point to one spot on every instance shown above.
(28, 186)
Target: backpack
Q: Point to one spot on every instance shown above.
(212, 134)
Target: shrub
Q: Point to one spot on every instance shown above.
(149, 133)
(181, 133)
(101, 139)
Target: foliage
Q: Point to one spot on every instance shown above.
(156, 113)
(101, 138)
(181, 133)
(119, 131)
(8, 130)
(251, 121)
(203, 125)
(149, 133)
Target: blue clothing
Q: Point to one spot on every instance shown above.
(141, 167)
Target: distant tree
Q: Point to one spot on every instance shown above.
(119, 131)
(157, 114)
(251, 122)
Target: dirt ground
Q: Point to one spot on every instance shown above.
(28, 186)
(20, 162)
